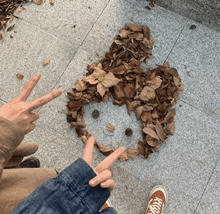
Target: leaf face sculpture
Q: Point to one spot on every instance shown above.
(150, 94)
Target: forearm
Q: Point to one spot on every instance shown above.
(10, 138)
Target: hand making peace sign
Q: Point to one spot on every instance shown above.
(20, 112)
(102, 170)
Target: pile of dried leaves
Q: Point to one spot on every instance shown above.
(7, 9)
(119, 74)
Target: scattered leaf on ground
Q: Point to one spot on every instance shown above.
(110, 127)
(46, 62)
(19, 76)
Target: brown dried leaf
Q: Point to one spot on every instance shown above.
(101, 89)
(160, 131)
(155, 82)
(123, 157)
(38, 2)
(21, 8)
(170, 115)
(135, 104)
(150, 132)
(10, 28)
(119, 91)
(1, 36)
(104, 150)
(124, 33)
(139, 111)
(20, 76)
(132, 153)
(129, 107)
(118, 70)
(80, 85)
(135, 27)
(74, 105)
(110, 80)
(170, 128)
(147, 94)
(110, 127)
(130, 91)
(79, 123)
(46, 62)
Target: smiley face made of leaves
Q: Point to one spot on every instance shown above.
(119, 75)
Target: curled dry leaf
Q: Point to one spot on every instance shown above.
(19, 76)
(147, 94)
(110, 127)
(150, 132)
(21, 9)
(132, 153)
(80, 85)
(38, 2)
(46, 62)
(160, 131)
(123, 157)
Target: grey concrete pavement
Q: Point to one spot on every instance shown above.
(188, 162)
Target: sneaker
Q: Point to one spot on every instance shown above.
(30, 163)
(157, 200)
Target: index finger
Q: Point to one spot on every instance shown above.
(107, 162)
(88, 151)
(25, 92)
(45, 99)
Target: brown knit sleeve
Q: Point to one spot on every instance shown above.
(10, 138)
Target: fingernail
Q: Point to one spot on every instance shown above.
(92, 183)
(37, 74)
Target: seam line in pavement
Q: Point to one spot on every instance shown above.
(82, 43)
(45, 31)
(206, 186)
(210, 115)
(176, 41)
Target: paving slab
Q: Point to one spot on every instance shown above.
(211, 199)
(196, 57)
(25, 53)
(55, 150)
(69, 20)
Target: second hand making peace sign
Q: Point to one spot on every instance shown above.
(102, 170)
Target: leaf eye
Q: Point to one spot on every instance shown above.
(95, 114)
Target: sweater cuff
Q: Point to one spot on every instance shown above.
(77, 176)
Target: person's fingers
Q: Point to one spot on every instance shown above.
(25, 92)
(30, 128)
(102, 177)
(34, 116)
(44, 100)
(108, 184)
(87, 155)
(107, 162)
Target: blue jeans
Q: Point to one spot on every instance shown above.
(68, 193)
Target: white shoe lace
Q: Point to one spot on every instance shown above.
(155, 208)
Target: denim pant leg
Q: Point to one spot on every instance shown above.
(109, 210)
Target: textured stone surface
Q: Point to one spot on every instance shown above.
(186, 162)
(203, 11)
(211, 199)
(69, 20)
(25, 53)
(196, 57)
